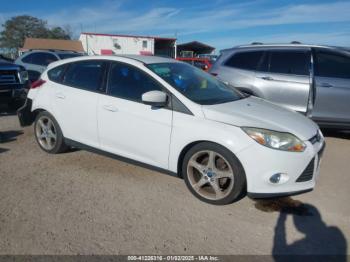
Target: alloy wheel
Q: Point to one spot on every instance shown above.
(210, 175)
(46, 133)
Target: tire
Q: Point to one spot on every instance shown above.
(48, 134)
(221, 181)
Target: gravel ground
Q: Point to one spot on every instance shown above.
(83, 203)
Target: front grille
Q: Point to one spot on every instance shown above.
(308, 172)
(8, 77)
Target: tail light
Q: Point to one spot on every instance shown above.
(37, 83)
(214, 74)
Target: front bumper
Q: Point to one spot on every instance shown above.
(10, 94)
(300, 169)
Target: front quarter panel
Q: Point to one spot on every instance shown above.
(188, 129)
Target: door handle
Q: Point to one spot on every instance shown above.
(110, 108)
(326, 85)
(268, 78)
(60, 95)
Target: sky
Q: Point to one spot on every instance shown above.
(220, 23)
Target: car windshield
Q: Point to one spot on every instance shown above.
(69, 55)
(195, 84)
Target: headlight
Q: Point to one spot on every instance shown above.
(275, 140)
(23, 76)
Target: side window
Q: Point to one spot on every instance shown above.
(55, 74)
(42, 59)
(130, 83)
(28, 59)
(289, 62)
(245, 60)
(332, 65)
(85, 75)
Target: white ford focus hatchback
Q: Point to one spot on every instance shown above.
(173, 117)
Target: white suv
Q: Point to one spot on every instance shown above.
(36, 61)
(168, 115)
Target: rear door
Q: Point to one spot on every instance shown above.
(75, 100)
(283, 77)
(238, 69)
(332, 79)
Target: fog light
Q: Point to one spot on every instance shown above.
(279, 178)
(275, 178)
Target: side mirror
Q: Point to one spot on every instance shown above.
(155, 98)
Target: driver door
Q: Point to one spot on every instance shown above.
(126, 126)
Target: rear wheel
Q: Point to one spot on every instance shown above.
(48, 134)
(213, 174)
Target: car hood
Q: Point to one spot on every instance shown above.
(256, 112)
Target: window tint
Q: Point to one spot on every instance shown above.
(245, 60)
(55, 74)
(290, 62)
(86, 75)
(28, 59)
(42, 59)
(128, 82)
(332, 65)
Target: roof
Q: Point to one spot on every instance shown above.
(53, 44)
(136, 58)
(196, 46)
(149, 59)
(257, 46)
(135, 36)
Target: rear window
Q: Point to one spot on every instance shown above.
(55, 74)
(245, 60)
(42, 59)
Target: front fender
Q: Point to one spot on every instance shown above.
(189, 129)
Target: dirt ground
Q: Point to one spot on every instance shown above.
(83, 203)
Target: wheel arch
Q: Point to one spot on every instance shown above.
(38, 110)
(192, 144)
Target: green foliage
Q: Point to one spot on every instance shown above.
(17, 28)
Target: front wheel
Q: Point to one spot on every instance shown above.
(48, 134)
(213, 174)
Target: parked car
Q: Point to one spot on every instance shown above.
(36, 61)
(171, 116)
(212, 58)
(314, 80)
(202, 63)
(13, 84)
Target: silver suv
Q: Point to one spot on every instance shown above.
(36, 61)
(314, 80)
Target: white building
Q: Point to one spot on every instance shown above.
(108, 44)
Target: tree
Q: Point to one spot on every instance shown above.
(17, 28)
(58, 33)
